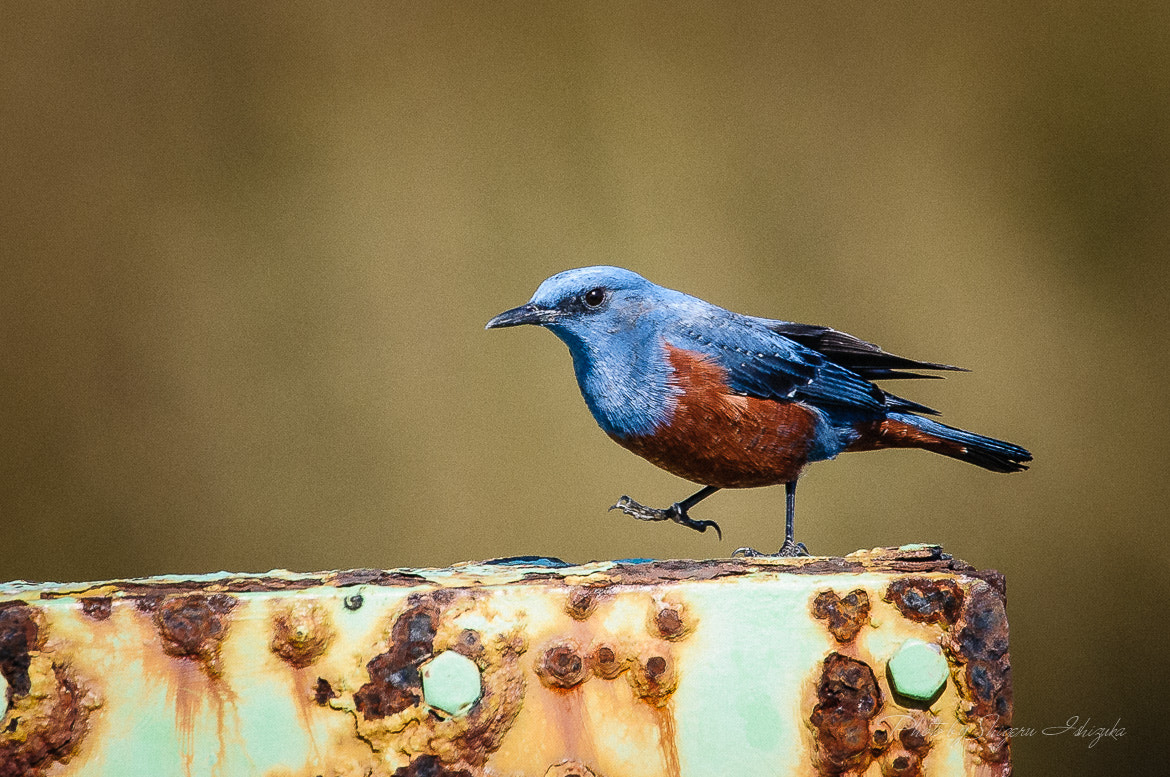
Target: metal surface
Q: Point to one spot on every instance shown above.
(611, 669)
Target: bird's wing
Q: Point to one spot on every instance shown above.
(763, 363)
(866, 359)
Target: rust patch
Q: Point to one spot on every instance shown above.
(880, 560)
(392, 716)
(654, 679)
(845, 614)
(469, 644)
(46, 726)
(671, 621)
(97, 607)
(561, 666)
(570, 769)
(379, 577)
(848, 698)
(605, 663)
(148, 602)
(926, 600)
(395, 683)
(19, 634)
(430, 766)
(900, 752)
(583, 601)
(194, 626)
(323, 692)
(301, 633)
(979, 643)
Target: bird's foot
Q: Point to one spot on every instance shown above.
(675, 512)
(789, 549)
(792, 549)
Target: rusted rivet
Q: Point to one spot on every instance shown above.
(301, 633)
(668, 624)
(655, 680)
(917, 670)
(451, 682)
(561, 666)
(469, 644)
(582, 603)
(605, 664)
(655, 667)
(353, 602)
(193, 626)
(913, 739)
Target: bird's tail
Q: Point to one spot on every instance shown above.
(904, 430)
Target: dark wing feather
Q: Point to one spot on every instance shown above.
(766, 364)
(866, 359)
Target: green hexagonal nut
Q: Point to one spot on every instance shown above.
(918, 670)
(451, 682)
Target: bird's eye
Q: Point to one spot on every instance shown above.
(594, 297)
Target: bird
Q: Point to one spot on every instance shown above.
(728, 400)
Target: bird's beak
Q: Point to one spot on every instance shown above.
(525, 314)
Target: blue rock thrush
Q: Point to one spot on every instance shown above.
(733, 401)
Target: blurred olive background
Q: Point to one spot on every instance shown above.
(248, 252)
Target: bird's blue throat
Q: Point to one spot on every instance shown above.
(625, 385)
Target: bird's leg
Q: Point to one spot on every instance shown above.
(790, 547)
(677, 512)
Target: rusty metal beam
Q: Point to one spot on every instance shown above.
(891, 661)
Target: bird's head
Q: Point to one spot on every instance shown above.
(586, 305)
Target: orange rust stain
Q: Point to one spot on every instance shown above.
(305, 693)
(664, 716)
(570, 721)
(189, 687)
(718, 438)
(889, 433)
(191, 629)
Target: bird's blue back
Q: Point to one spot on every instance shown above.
(620, 356)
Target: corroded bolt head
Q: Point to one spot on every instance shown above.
(918, 670)
(451, 682)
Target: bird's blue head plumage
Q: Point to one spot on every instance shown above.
(608, 318)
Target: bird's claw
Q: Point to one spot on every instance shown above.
(673, 513)
(789, 549)
(792, 549)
